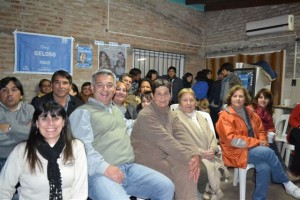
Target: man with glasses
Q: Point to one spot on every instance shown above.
(111, 168)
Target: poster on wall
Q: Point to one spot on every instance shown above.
(42, 54)
(112, 57)
(84, 56)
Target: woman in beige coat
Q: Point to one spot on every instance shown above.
(203, 137)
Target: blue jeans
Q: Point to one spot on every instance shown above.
(267, 166)
(139, 181)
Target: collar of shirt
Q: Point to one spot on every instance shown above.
(108, 108)
(18, 107)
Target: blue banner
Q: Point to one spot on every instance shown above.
(43, 54)
(84, 56)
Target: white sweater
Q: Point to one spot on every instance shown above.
(36, 186)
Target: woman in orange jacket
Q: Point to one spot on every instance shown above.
(243, 140)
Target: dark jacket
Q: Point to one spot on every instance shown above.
(72, 105)
(176, 86)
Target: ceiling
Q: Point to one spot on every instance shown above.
(215, 5)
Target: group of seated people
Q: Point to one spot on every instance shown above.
(108, 148)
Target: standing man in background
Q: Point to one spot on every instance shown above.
(176, 84)
(15, 116)
(136, 78)
(230, 79)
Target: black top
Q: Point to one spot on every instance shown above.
(72, 104)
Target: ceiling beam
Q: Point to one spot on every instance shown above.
(213, 5)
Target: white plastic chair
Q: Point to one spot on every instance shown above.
(287, 149)
(209, 120)
(174, 106)
(281, 129)
(240, 175)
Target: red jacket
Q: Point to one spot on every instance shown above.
(231, 126)
(294, 120)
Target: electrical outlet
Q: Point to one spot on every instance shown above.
(293, 82)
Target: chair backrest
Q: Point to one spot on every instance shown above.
(209, 120)
(282, 125)
(174, 106)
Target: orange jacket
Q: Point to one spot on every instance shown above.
(231, 126)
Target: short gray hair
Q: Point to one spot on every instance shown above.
(103, 72)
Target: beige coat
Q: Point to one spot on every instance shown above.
(204, 139)
(161, 143)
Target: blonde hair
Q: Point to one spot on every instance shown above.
(185, 91)
(203, 105)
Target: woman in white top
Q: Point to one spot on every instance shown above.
(50, 164)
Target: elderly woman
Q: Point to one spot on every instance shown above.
(50, 164)
(161, 143)
(243, 140)
(203, 137)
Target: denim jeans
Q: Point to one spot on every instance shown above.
(267, 166)
(139, 181)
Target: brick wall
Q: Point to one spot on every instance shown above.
(153, 20)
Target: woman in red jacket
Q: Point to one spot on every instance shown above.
(243, 140)
(295, 139)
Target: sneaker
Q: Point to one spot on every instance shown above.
(293, 191)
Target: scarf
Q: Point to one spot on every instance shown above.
(52, 154)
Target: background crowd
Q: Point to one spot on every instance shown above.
(123, 140)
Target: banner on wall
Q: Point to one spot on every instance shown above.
(112, 57)
(84, 56)
(42, 54)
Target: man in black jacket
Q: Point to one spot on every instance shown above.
(176, 83)
(61, 84)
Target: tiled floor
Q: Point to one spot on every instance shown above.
(276, 191)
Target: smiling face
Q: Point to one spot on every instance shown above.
(189, 79)
(263, 101)
(162, 96)
(50, 127)
(104, 88)
(128, 82)
(10, 96)
(46, 87)
(61, 86)
(145, 102)
(238, 99)
(120, 93)
(87, 90)
(145, 86)
(187, 103)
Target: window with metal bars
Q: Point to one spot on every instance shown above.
(160, 61)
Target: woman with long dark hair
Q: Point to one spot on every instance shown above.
(51, 164)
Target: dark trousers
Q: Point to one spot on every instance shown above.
(295, 140)
(203, 179)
